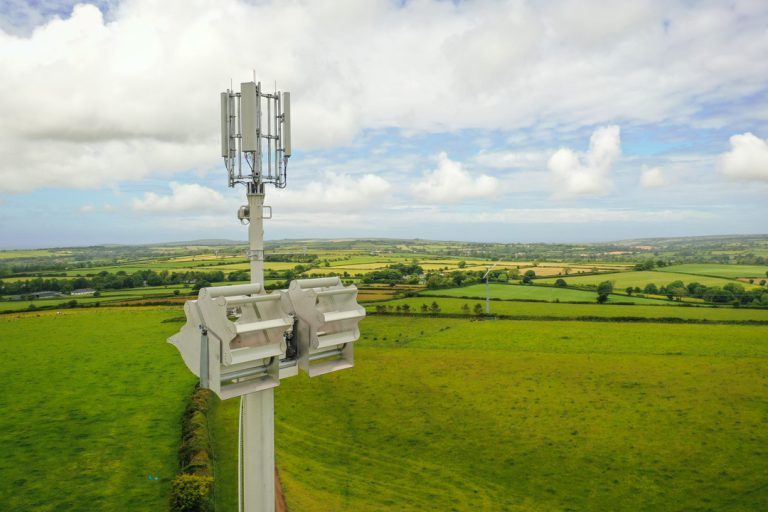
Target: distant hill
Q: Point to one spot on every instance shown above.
(203, 241)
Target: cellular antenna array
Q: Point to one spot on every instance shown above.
(244, 135)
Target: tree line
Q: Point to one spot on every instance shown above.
(111, 281)
(731, 293)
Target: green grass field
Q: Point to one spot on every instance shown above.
(523, 292)
(107, 297)
(31, 253)
(712, 269)
(574, 311)
(442, 414)
(622, 280)
(91, 406)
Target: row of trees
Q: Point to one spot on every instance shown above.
(432, 309)
(407, 273)
(650, 264)
(731, 293)
(111, 281)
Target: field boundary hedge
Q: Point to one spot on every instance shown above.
(582, 318)
(662, 302)
(193, 490)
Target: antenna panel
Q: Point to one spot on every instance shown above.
(225, 124)
(240, 356)
(286, 124)
(249, 116)
(328, 314)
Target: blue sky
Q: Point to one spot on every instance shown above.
(482, 121)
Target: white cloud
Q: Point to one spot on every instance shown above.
(589, 174)
(512, 159)
(87, 208)
(336, 192)
(184, 198)
(747, 159)
(653, 178)
(92, 164)
(450, 183)
(86, 102)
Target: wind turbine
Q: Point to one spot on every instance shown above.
(488, 288)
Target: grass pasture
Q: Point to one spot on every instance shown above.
(456, 415)
(92, 403)
(29, 253)
(713, 269)
(523, 292)
(106, 297)
(622, 280)
(576, 311)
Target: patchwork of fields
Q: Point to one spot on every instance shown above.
(560, 404)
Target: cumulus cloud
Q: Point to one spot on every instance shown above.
(588, 174)
(450, 183)
(653, 178)
(82, 94)
(336, 192)
(512, 159)
(25, 166)
(747, 159)
(184, 198)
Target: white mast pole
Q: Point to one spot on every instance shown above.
(257, 418)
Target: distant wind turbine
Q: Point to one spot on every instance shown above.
(488, 288)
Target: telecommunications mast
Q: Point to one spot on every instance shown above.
(244, 135)
(241, 340)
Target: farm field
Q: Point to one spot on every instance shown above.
(31, 253)
(711, 269)
(200, 265)
(575, 311)
(105, 298)
(91, 401)
(524, 292)
(622, 280)
(442, 414)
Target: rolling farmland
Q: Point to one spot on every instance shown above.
(560, 403)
